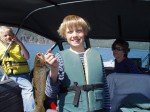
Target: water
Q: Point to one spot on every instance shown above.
(134, 53)
(34, 49)
(106, 53)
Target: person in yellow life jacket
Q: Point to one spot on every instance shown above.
(15, 65)
(77, 80)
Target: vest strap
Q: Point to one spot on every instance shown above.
(10, 63)
(82, 87)
(78, 89)
(77, 94)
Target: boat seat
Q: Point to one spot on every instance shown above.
(121, 85)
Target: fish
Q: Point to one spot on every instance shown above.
(39, 81)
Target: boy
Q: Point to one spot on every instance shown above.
(72, 79)
(15, 65)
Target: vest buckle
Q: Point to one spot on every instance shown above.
(77, 94)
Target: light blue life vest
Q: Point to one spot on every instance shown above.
(89, 101)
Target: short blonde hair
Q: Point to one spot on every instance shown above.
(71, 21)
(6, 29)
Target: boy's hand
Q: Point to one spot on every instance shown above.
(50, 59)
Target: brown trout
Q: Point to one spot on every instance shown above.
(39, 81)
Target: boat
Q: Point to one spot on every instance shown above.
(109, 19)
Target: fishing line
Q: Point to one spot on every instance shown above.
(46, 7)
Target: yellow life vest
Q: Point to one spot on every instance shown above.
(13, 62)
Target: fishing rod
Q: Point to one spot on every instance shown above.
(54, 4)
(6, 50)
(4, 74)
(1, 69)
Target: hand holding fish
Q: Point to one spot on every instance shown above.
(52, 61)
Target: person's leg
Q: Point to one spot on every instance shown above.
(27, 91)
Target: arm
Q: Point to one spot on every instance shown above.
(24, 51)
(132, 67)
(52, 83)
(52, 61)
(107, 104)
(52, 89)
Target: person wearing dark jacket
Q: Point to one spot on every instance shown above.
(123, 64)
